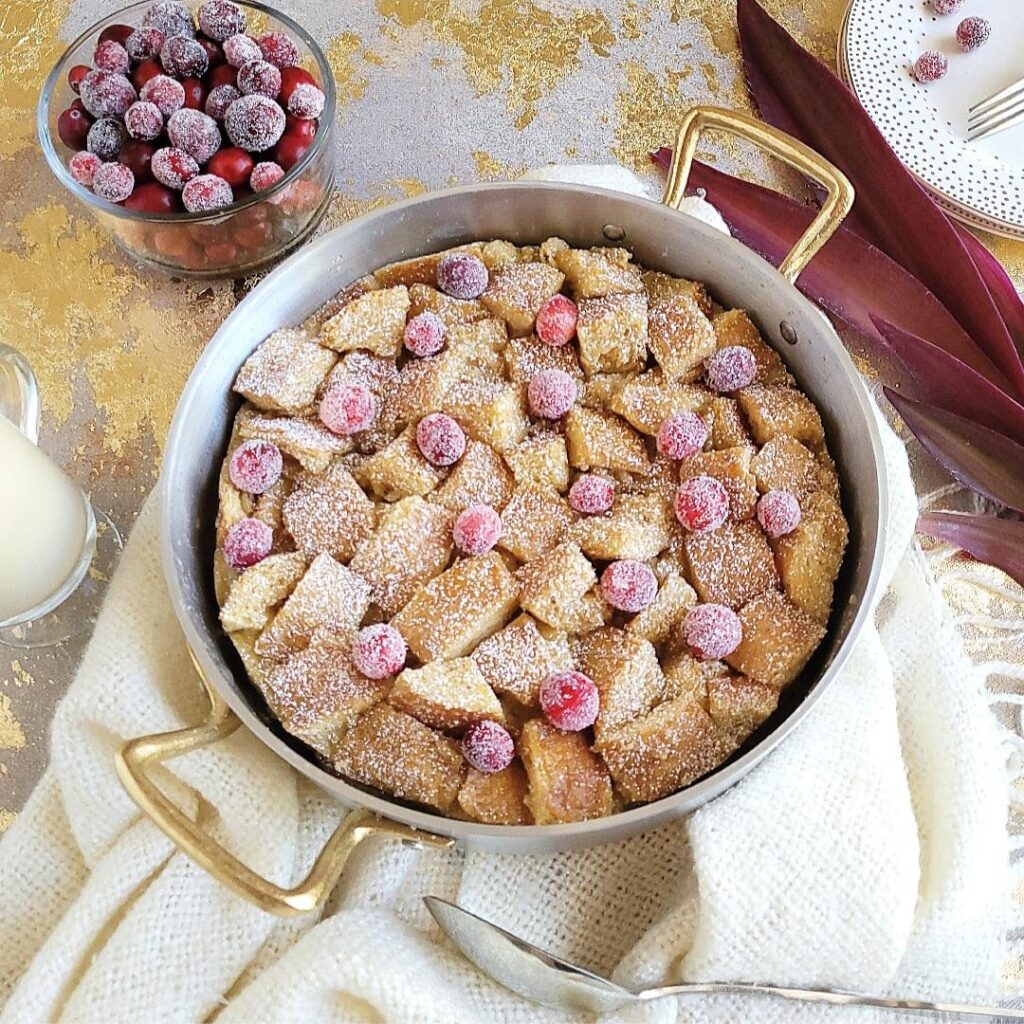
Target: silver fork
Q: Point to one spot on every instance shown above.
(998, 112)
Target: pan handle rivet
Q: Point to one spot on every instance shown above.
(613, 232)
(788, 333)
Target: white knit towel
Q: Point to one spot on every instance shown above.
(868, 851)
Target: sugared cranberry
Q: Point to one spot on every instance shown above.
(264, 175)
(144, 120)
(221, 97)
(291, 77)
(488, 747)
(551, 393)
(138, 155)
(259, 77)
(173, 167)
(206, 192)
(278, 48)
(195, 132)
(184, 58)
(711, 631)
(111, 56)
(105, 94)
(591, 495)
(973, 32)
(247, 542)
(701, 504)
(146, 71)
(730, 369)
(223, 74)
(440, 439)
(195, 93)
(306, 101)
(462, 275)
(570, 701)
(152, 198)
(629, 585)
(83, 166)
(255, 466)
(300, 127)
(76, 74)
(113, 182)
(778, 512)
(234, 165)
(221, 19)
(106, 137)
(214, 54)
(255, 123)
(347, 409)
(145, 43)
(239, 49)
(167, 93)
(681, 435)
(116, 34)
(556, 321)
(424, 334)
(290, 150)
(73, 128)
(946, 6)
(477, 529)
(930, 66)
(379, 651)
(172, 18)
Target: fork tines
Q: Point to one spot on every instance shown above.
(996, 113)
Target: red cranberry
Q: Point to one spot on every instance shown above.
(300, 127)
(255, 123)
(291, 77)
(379, 651)
(194, 132)
(111, 56)
(440, 439)
(195, 93)
(206, 192)
(214, 54)
(76, 74)
(946, 6)
(570, 700)
(221, 253)
(173, 167)
(290, 150)
(106, 137)
(116, 34)
(145, 43)
(551, 394)
(144, 120)
(239, 49)
(247, 542)
(488, 747)
(629, 585)
(73, 128)
(973, 32)
(172, 18)
(930, 66)
(730, 369)
(711, 631)
(105, 94)
(591, 495)
(220, 98)
(462, 275)
(184, 58)
(255, 466)
(424, 334)
(146, 71)
(556, 321)
(83, 167)
(681, 435)
(778, 512)
(259, 76)
(701, 504)
(264, 175)
(165, 92)
(234, 165)
(138, 155)
(347, 409)
(477, 529)
(278, 48)
(306, 101)
(113, 182)
(152, 198)
(223, 74)
(221, 19)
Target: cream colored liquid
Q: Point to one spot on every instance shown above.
(43, 524)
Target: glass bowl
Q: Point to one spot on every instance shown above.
(254, 230)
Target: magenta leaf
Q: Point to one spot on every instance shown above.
(979, 458)
(1000, 287)
(999, 542)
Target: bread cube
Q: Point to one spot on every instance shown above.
(304, 438)
(284, 372)
(599, 391)
(730, 565)
(731, 467)
(244, 642)
(738, 705)
(734, 327)
(593, 274)
(527, 356)
(772, 410)
(517, 292)
(612, 333)
(600, 440)
(728, 428)
(662, 287)
(329, 596)
(517, 659)
(567, 781)
(778, 640)
(256, 592)
(400, 470)
(638, 526)
(540, 461)
(809, 558)
(268, 507)
(397, 753)
(648, 399)
(480, 477)
(786, 464)
(671, 747)
(375, 322)
(424, 385)
(661, 618)
(555, 588)
(679, 336)
(448, 695)
(451, 614)
(496, 798)
(685, 677)
(533, 522)
(490, 411)
(410, 546)
(479, 344)
(329, 512)
(418, 269)
(425, 299)
(312, 324)
(499, 254)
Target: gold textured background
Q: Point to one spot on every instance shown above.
(431, 93)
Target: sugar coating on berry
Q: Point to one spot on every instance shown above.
(424, 334)
(221, 19)
(778, 512)
(143, 120)
(379, 651)
(306, 101)
(145, 43)
(254, 122)
(973, 32)
(556, 321)
(247, 542)
(701, 504)
(111, 56)
(264, 175)
(730, 369)
(106, 137)
(591, 495)
(946, 6)
(570, 701)
(167, 93)
(240, 49)
(221, 97)
(172, 18)
(184, 58)
(195, 132)
(83, 167)
(930, 66)
(551, 393)
(440, 439)
(462, 275)
(105, 94)
(279, 49)
(173, 167)
(255, 466)
(259, 77)
(477, 529)
(711, 631)
(488, 747)
(113, 182)
(206, 192)
(681, 435)
(348, 408)
(629, 585)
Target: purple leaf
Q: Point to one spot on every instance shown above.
(999, 542)
(1000, 287)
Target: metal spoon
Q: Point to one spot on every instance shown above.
(549, 980)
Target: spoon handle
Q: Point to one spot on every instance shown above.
(815, 995)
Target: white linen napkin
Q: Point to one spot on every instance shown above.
(868, 851)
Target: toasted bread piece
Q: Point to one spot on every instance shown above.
(399, 470)
(540, 461)
(448, 695)
(400, 755)
(268, 507)
(728, 428)
(244, 641)
(527, 356)
(600, 390)
(496, 798)
(480, 344)
(648, 399)
(418, 269)
(451, 614)
(517, 292)
(375, 322)
(734, 327)
(255, 593)
(534, 521)
(661, 287)
(773, 410)
(517, 659)
(312, 324)
(778, 639)
(423, 298)
(685, 677)
(498, 254)
(284, 372)
(738, 705)
(329, 512)
(567, 781)
(424, 384)
(304, 438)
(730, 565)
(490, 411)
(612, 333)
(595, 273)
(555, 589)
(638, 526)
(663, 615)
(680, 336)
(480, 477)
(600, 440)
(786, 464)
(731, 467)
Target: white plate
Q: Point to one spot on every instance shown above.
(981, 183)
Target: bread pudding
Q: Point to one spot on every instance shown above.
(524, 534)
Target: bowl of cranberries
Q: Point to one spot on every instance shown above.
(200, 135)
